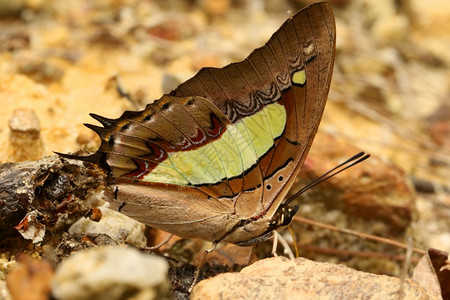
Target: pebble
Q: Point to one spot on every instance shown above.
(25, 142)
(110, 273)
(114, 224)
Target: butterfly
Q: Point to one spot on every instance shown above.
(215, 158)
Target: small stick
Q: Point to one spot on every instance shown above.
(160, 244)
(358, 234)
(406, 265)
(367, 254)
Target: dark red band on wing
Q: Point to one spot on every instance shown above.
(157, 154)
(160, 148)
(185, 145)
(199, 138)
(216, 128)
(142, 169)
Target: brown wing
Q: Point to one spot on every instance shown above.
(225, 145)
(304, 43)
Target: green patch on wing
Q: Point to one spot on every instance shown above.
(238, 149)
(299, 77)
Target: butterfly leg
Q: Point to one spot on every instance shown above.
(250, 255)
(284, 243)
(160, 244)
(197, 272)
(287, 249)
(275, 244)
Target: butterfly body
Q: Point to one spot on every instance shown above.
(216, 157)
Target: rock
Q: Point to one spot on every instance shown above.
(281, 278)
(41, 71)
(110, 273)
(72, 243)
(25, 142)
(4, 293)
(14, 38)
(114, 224)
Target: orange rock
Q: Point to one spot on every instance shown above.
(281, 278)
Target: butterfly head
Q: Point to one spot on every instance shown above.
(283, 216)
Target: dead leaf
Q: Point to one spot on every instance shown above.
(433, 273)
(30, 279)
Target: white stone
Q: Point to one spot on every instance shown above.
(109, 273)
(4, 293)
(114, 224)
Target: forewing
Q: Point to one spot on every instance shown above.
(294, 70)
(227, 144)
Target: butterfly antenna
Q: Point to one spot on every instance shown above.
(336, 170)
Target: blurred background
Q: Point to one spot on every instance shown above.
(390, 96)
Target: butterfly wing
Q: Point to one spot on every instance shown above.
(169, 165)
(293, 70)
(216, 157)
